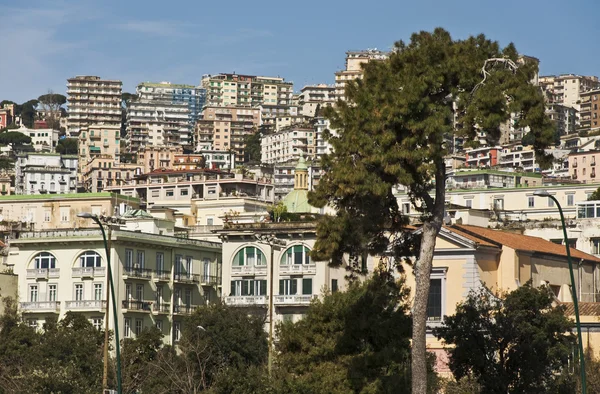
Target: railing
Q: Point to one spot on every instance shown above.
(43, 273)
(162, 275)
(86, 305)
(293, 299)
(162, 307)
(246, 300)
(187, 278)
(298, 269)
(88, 272)
(40, 306)
(137, 306)
(210, 280)
(249, 270)
(184, 309)
(141, 273)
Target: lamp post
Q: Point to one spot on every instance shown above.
(544, 193)
(273, 242)
(95, 218)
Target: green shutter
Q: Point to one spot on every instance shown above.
(232, 289)
(306, 255)
(244, 287)
(294, 286)
(240, 257)
(263, 287)
(307, 286)
(281, 286)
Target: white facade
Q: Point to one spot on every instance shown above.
(41, 139)
(157, 123)
(45, 173)
(92, 100)
(315, 96)
(289, 144)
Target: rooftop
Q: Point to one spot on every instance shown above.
(72, 196)
(460, 172)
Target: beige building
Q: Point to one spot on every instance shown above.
(9, 283)
(102, 171)
(354, 60)
(315, 96)
(566, 89)
(246, 90)
(158, 279)
(58, 211)
(288, 144)
(155, 157)
(226, 128)
(582, 166)
(589, 112)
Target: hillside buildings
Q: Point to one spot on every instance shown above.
(246, 90)
(45, 173)
(353, 70)
(42, 140)
(288, 144)
(7, 115)
(315, 97)
(588, 113)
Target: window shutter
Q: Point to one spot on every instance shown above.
(245, 288)
(263, 287)
(241, 257)
(307, 286)
(281, 287)
(306, 255)
(294, 286)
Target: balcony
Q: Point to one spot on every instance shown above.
(259, 301)
(162, 276)
(210, 280)
(293, 299)
(184, 309)
(141, 306)
(41, 306)
(88, 272)
(43, 273)
(86, 305)
(243, 270)
(187, 278)
(163, 307)
(137, 273)
(293, 269)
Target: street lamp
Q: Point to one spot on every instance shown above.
(87, 215)
(273, 242)
(544, 193)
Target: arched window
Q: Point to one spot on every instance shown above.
(297, 254)
(44, 260)
(249, 255)
(90, 259)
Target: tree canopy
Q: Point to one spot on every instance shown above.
(14, 138)
(519, 343)
(51, 103)
(393, 130)
(67, 146)
(252, 150)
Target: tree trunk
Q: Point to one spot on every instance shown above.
(422, 269)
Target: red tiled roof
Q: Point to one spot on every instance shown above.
(479, 241)
(585, 308)
(522, 242)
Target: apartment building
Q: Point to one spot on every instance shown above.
(158, 279)
(41, 173)
(7, 115)
(482, 179)
(354, 61)
(289, 144)
(217, 160)
(102, 171)
(482, 157)
(227, 127)
(566, 89)
(582, 166)
(156, 157)
(193, 96)
(589, 112)
(565, 118)
(92, 100)
(313, 97)
(41, 139)
(42, 212)
(246, 90)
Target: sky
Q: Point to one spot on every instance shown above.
(42, 43)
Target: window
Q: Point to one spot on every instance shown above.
(188, 297)
(139, 326)
(469, 203)
(44, 260)
(159, 294)
(89, 259)
(178, 264)
(52, 292)
(128, 259)
(188, 264)
(155, 193)
(307, 286)
(98, 291)
(246, 287)
(297, 254)
(140, 259)
(33, 293)
(169, 193)
(550, 202)
(209, 221)
(47, 212)
(158, 324)
(127, 332)
(183, 192)
(139, 292)
(206, 269)
(97, 323)
(499, 203)
(435, 303)
(334, 285)
(531, 202)
(570, 200)
(160, 262)
(288, 286)
(176, 331)
(249, 256)
(64, 214)
(78, 291)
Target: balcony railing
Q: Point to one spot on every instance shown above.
(88, 272)
(43, 273)
(86, 305)
(187, 278)
(184, 309)
(246, 300)
(141, 273)
(162, 275)
(40, 306)
(298, 269)
(293, 299)
(210, 280)
(143, 306)
(162, 307)
(249, 270)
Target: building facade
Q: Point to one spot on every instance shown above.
(313, 97)
(246, 90)
(354, 61)
(288, 144)
(102, 171)
(45, 173)
(41, 139)
(589, 112)
(582, 166)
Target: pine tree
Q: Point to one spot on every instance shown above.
(392, 132)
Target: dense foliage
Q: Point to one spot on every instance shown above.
(67, 146)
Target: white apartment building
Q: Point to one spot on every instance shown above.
(288, 145)
(45, 173)
(354, 60)
(158, 279)
(315, 96)
(41, 139)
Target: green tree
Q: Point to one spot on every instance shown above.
(67, 146)
(27, 112)
(392, 132)
(137, 358)
(252, 149)
(517, 344)
(15, 139)
(51, 103)
(595, 195)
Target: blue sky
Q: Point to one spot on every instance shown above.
(45, 42)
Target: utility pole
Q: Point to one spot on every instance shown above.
(105, 371)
